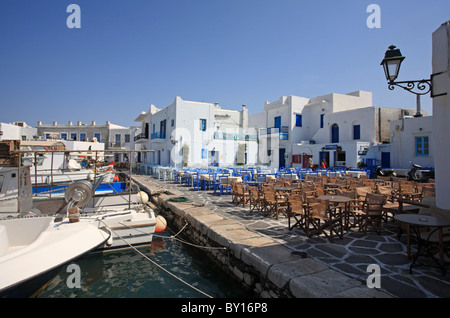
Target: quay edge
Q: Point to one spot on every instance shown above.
(258, 262)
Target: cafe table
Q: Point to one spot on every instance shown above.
(334, 198)
(418, 222)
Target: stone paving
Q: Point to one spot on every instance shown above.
(350, 255)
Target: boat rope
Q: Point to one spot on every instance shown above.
(174, 237)
(154, 263)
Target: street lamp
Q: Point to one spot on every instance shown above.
(391, 65)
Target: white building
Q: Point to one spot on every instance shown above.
(344, 130)
(411, 142)
(115, 137)
(196, 134)
(17, 131)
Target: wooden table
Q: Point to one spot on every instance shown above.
(334, 198)
(418, 222)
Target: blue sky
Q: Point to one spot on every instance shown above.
(130, 54)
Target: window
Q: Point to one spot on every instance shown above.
(83, 137)
(172, 122)
(97, 136)
(203, 124)
(63, 136)
(73, 136)
(321, 120)
(48, 136)
(127, 137)
(356, 132)
(334, 133)
(422, 146)
(277, 122)
(298, 120)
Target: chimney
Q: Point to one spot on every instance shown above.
(39, 123)
(93, 123)
(55, 123)
(70, 123)
(79, 123)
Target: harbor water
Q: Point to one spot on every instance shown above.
(127, 273)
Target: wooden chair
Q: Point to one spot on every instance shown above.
(387, 191)
(269, 201)
(324, 218)
(297, 211)
(281, 204)
(351, 216)
(407, 192)
(255, 199)
(361, 192)
(242, 195)
(372, 212)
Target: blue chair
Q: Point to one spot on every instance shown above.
(224, 185)
(196, 181)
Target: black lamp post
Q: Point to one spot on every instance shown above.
(391, 65)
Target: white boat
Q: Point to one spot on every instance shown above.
(15, 191)
(33, 249)
(127, 215)
(56, 162)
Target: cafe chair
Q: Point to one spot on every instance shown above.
(242, 194)
(255, 199)
(297, 211)
(224, 186)
(324, 218)
(371, 213)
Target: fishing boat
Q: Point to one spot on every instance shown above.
(57, 163)
(33, 249)
(125, 213)
(131, 221)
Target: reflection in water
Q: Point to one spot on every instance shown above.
(126, 273)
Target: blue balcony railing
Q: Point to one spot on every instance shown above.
(158, 135)
(234, 136)
(283, 131)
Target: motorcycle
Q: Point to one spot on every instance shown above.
(385, 173)
(419, 176)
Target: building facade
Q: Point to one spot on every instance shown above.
(343, 130)
(196, 134)
(115, 137)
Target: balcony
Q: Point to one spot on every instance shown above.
(283, 131)
(141, 136)
(234, 136)
(158, 135)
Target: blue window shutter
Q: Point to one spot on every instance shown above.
(356, 132)
(298, 120)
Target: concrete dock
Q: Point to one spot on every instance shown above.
(276, 262)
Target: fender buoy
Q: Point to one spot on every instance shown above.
(116, 178)
(142, 197)
(161, 224)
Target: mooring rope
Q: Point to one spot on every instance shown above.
(153, 262)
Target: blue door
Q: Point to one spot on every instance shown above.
(334, 133)
(277, 122)
(386, 159)
(281, 160)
